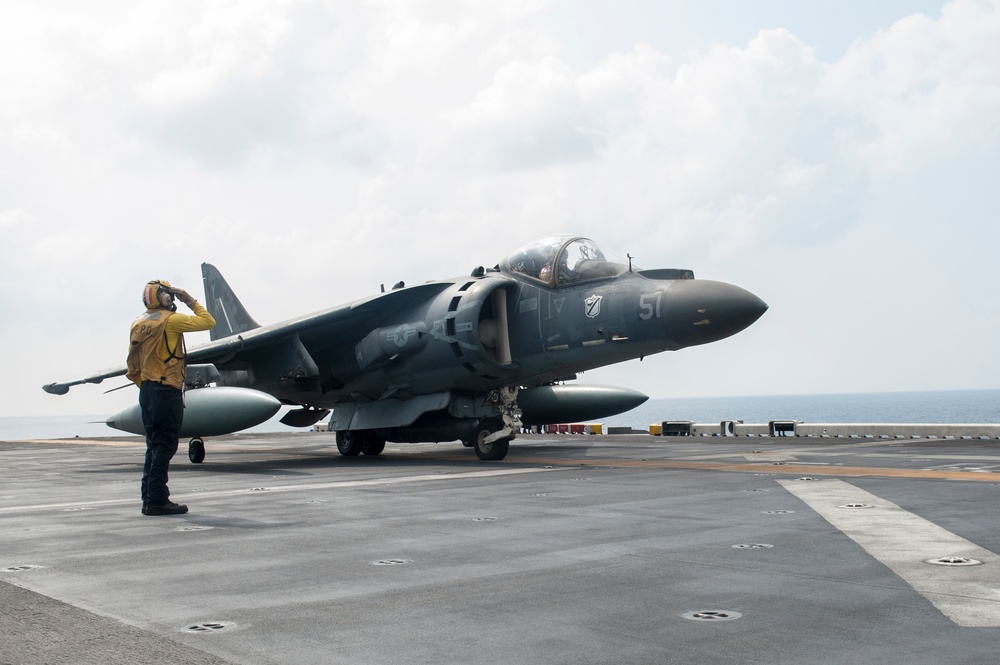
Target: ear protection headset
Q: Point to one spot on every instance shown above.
(151, 294)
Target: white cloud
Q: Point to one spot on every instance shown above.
(921, 87)
(754, 144)
(16, 217)
(210, 47)
(656, 141)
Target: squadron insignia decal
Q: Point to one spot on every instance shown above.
(592, 306)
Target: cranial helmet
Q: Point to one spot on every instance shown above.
(151, 293)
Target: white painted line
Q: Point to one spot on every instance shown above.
(968, 595)
(770, 457)
(274, 489)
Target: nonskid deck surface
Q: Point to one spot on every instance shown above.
(574, 549)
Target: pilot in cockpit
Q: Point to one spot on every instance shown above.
(564, 260)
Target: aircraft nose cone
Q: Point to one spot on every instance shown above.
(702, 311)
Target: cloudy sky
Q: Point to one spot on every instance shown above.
(841, 161)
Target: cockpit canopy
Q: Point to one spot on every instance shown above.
(562, 260)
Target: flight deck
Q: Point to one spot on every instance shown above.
(573, 549)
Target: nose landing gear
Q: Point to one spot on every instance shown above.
(493, 435)
(490, 441)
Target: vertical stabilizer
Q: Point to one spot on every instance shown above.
(231, 318)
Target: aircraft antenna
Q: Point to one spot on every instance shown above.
(118, 388)
(630, 257)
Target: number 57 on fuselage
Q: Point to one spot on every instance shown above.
(472, 358)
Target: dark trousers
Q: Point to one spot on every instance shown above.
(162, 412)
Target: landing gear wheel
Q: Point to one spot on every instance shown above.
(196, 450)
(489, 451)
(349, 443)
(373, 445)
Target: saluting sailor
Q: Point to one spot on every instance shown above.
(156, 363)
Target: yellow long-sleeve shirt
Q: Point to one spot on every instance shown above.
(179, 323)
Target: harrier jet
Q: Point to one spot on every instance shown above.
(472, 358)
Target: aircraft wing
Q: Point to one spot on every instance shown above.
(63, 388)
(333, 324)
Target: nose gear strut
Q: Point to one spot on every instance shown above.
(510, 414)
(491, 439)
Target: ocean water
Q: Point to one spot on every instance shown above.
(959, 406)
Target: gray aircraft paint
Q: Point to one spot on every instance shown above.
(448, 359)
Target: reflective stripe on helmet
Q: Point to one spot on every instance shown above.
(151, 293)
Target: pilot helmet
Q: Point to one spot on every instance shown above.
(151, 293)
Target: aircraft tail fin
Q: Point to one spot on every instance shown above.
(231, 317)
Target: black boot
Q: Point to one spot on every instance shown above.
(168, 508)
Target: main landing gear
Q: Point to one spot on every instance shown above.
(497, 420)
(352, 443)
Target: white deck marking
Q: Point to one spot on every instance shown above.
(968, 595)
(274, 489)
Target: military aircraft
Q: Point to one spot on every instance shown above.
(472, 358)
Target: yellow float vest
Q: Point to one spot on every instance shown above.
(148, 332)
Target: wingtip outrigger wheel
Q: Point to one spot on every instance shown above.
(196, 450)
